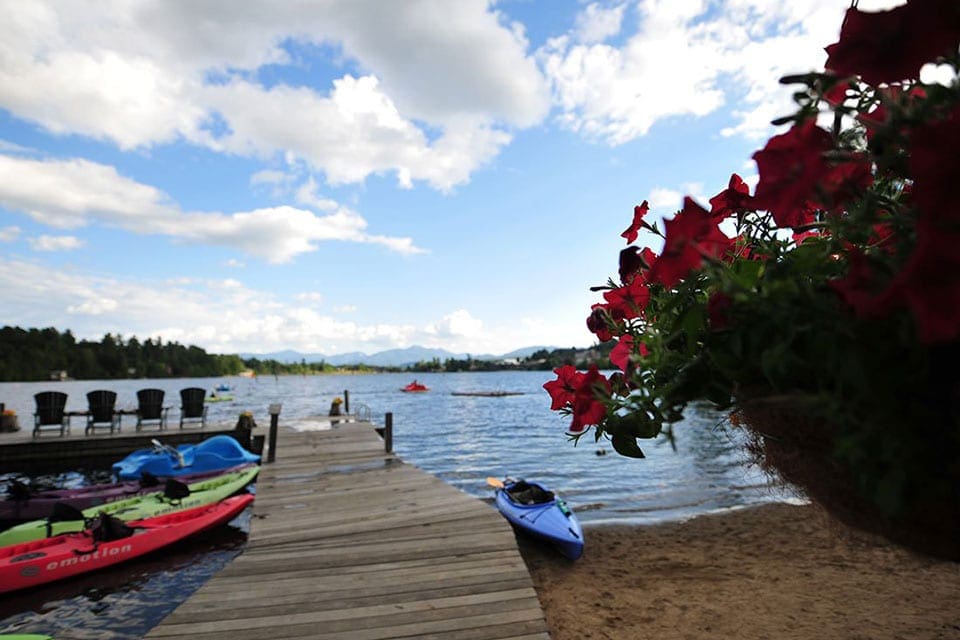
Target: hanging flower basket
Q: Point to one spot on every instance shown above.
(824, 307)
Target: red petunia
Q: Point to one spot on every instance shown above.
(627, 302)
(929, 284)
(733, 200)
(692, 234)
(598, 322)
(791, 166)
(634, 261)
(859, 287)
(935, 166)
(588, 406)
(564, 388)
(890, 46)
(632, 231)
(620, 354)
(719, 305)
(844, 182)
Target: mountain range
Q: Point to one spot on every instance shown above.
(389, 358)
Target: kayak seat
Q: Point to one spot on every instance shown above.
(107, 528)
(17, 490)
(62, 512)
(175, 490)
(523, 492)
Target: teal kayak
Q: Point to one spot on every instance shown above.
(176, 497)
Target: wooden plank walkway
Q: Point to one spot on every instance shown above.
(350, 543)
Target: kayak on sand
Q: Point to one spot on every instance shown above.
(537, 511)
(107, 542)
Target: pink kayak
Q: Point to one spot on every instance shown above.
(22, 503)
(108, 542)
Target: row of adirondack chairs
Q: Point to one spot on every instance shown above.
(51, 414)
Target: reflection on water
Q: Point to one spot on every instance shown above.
(461, 439)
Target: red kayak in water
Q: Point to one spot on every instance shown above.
(107, 542)
(414, 387)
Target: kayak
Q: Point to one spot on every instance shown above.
(537, 511)
(219, 399)
(25, 636)
(414, 387)
(175, 497)
(107, 542)
(218, 452)
(23, 503)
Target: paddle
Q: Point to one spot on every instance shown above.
(493, 482)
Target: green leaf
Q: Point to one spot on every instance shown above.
(626, 446)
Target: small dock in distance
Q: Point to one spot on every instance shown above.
(348, 542)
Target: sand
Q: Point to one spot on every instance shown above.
(775, 572)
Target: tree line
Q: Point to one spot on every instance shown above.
(42, 354)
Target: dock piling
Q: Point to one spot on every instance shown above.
(274, 422)
(388, 432)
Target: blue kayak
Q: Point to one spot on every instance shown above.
(218, 452)
(537, 511)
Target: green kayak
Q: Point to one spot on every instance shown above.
(143, 506)
(25, 636)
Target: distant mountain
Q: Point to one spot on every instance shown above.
(389, 358)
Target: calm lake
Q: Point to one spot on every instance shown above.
(461, 439)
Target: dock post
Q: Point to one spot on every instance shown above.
(274, 420)
(346, 401)
(388, 432)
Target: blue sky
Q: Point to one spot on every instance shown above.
(359, 175)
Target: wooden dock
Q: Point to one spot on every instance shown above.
(348, 542)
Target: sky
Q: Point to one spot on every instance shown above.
(333, 176)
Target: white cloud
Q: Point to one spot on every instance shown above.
(307, 194)
(73, 193)
(146, 73)
(457, 324)
(233, 263)
(55, 243)
(689, 59)
(661, 197)
(596, 23)
(9, 234)
(311, 297)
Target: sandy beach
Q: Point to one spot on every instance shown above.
(773, 572)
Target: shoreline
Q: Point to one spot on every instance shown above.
(772, 571)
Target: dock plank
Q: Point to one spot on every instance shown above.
(349, 542)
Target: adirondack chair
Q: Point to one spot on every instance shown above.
(100, 411)
(51, 413)
(192, 407)
(150, 409)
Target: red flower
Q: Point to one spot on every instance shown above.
(627, 302)
(588, 406)
(845, 182)
(620, 354)
(563, 389)
(791, 166)
(889, 46)
(935, 166)
(860, 286)
(929, 284)
(692, 234)
(638, 213)
(719, 305)
(732, 200)
(634, 261)
(598, 322)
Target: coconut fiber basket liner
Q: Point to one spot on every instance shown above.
(786, 441)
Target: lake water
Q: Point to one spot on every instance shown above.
(461, 439)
